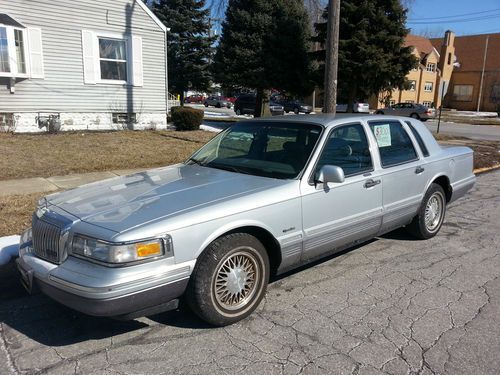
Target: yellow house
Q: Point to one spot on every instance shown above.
(424, 81)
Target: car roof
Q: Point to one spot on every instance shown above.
(328, 120)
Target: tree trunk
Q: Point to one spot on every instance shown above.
(181, 98)
(332, 53)
(262, 103)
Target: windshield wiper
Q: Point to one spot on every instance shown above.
(228, 168)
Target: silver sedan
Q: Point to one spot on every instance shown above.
(416, 111)
(261, 198)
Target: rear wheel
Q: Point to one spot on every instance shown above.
(431, 214)
(229, 280)
(218, 105)
(206, 104)
(296, 110)
(415, 116)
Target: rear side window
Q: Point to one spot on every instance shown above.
(394, 143)
(419, 139)
(347, 147)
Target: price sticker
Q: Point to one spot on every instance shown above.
(382, 135)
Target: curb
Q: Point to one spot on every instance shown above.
(486, 169)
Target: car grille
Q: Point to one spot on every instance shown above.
(46, 240)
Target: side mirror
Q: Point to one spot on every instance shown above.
(330, 173)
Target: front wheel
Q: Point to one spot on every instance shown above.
(296, 110)
(206, 104)
(229, 280)
(430, 216)
(415, 116)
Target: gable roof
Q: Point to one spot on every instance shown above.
(152, 15)
(423, 45)
(469, 50)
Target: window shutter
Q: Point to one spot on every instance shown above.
(90, 71)
(35, 52)
(136, 74)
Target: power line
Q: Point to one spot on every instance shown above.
(455, 16)
(491, 16)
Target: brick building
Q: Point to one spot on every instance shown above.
(472, 53)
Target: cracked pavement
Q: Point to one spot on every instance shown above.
(391, 306)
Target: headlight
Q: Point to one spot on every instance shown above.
(26, 239)
(121, 253)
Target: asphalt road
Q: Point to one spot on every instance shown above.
(480, 132)
(393, 305)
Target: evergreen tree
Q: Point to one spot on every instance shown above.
(264, 45)
(372, 55)
(189, 46)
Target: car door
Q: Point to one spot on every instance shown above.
(336, 215)
(403, 172)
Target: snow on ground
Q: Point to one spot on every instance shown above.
(9, 248)
(209, 128)
(470, 113)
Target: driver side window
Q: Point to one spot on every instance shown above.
(347, 147)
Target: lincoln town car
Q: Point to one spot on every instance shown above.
(262, 197)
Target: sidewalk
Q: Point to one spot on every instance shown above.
(46, 185)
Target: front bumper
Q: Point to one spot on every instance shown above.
(101, 291)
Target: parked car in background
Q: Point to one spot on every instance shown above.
(357, 107)
(417, 111)
(195, 99)
(261, 198)
(295, 106)
(231, 99)
(218, 102)
(245, 105)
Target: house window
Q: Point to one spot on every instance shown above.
(428, 87)
(410, 101)
(431, 67)
(113, 59)
(495, 93)
(12, 51)
(413, 85)
(462, 93)
(427, 104)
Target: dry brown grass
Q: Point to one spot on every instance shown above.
(45, 155)
(15, 213)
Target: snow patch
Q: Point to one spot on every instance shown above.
(9, 248)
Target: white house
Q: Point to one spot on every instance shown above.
(91, 64)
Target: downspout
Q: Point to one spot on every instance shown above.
(166, 74)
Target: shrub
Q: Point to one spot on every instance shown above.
(186, 118)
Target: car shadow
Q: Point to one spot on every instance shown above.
(49, 323)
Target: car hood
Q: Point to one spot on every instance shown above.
(130, 201)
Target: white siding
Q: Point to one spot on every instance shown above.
(62, 88)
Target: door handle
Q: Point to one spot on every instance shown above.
(419, 170)
(371, 183)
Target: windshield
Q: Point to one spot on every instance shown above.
(272, 149)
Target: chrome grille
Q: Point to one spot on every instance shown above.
(46, 240)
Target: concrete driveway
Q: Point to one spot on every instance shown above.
(393, 305)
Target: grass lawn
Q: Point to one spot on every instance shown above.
(45, 155)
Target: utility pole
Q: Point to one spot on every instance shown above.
(482, 74)
(332, 56)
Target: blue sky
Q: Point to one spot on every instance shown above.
(445, 12)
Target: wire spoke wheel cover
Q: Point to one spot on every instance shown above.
(434, 211)
(236, 280)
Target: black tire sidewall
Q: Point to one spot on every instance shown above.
(418, 227)
(201, 297)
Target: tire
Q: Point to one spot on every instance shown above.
(296, 110)
(210, 293)
(218, 105)
(415, 116)
(379, 113)
(206, 104)
(238, 112)
(434, 200)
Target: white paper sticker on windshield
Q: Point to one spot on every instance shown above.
(382, 134)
